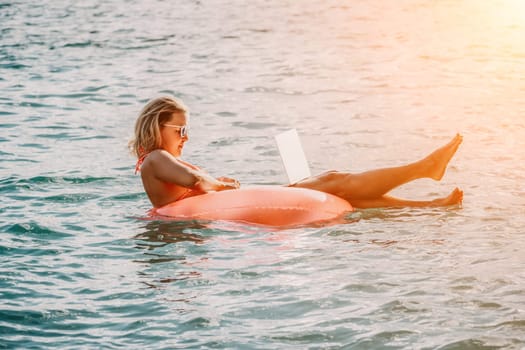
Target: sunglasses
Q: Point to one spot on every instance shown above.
(183, 129)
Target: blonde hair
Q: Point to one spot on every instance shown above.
(147, 127)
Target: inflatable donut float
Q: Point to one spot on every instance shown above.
(274, 206)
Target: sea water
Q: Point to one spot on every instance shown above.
(367, 84)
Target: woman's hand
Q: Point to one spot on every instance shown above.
(208, 183)
(229, 183)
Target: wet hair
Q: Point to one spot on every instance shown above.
(147, 127)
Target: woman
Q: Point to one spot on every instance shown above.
(161, 131)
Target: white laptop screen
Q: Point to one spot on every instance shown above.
(292, 155)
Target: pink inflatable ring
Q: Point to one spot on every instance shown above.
(264, 205)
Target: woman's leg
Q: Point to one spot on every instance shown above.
(455, 197)
(374, 184)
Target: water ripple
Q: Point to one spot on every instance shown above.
(35, 229)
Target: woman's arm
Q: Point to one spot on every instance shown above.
(169, 169)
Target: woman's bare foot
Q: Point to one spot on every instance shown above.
(455, 197)
(438, 160)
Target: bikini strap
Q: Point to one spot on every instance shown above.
(140, 161)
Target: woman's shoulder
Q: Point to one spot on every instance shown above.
(155, 158)
(160, 157)
(159, 154)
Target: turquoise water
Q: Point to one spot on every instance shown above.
(366, 83)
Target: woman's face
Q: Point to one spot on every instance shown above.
(170, 132)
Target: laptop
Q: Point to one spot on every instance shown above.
(292, 155)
